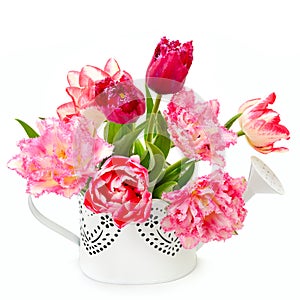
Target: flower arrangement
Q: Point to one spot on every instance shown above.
(112, 143)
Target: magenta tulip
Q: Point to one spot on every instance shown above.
(169, 66)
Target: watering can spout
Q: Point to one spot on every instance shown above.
(262, 180)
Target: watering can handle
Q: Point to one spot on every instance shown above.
(59, 229)
(52, 225)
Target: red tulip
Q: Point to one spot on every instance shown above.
(169, 66)
(261, 125)
(120, 101)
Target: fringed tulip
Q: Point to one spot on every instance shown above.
(169, 66)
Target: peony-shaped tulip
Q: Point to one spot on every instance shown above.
(194, 127)
(261, 125)
(61, 159)
(169, 66)
(209, 208)
(120, 188)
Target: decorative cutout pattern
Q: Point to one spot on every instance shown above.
(151, 231)
(97, 231)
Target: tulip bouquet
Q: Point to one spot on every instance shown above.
(112, 143)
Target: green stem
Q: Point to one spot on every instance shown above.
(152, 118)
(240, 133)
(156, 104)
(230, 122)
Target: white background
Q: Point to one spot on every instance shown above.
(242, 50)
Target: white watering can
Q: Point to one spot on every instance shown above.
(143, 253)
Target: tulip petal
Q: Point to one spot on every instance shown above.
(258, 103)
(122, 76)
(111, 67)
(91, 74)
(75, 93)
(249, 103)
(94, 114)
(66, 110)
(269, 148)
(73, 78)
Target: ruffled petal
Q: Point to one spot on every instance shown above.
(194, 127)
(209, 208)
(62, 158)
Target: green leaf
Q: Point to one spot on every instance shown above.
(113, 131)
(165, 187)
(177, 165)
(155, 165)
(173, 176)
(163, 143)
(123, 130)
(30, 132)
(145, 159)
(186, 175)
(139, 148)
(162, 174)
(154, 151)
(162, 139)
(174, 171)
(162, 124)
(125, 143)
(158, 166)
(150, 131)
(110, 131)
(230, 122)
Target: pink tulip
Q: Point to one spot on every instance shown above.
(61, 159)
(169, 66)
(84, 87)
(194, 127)
(261, 125)
(120, 188)
(209, 208)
